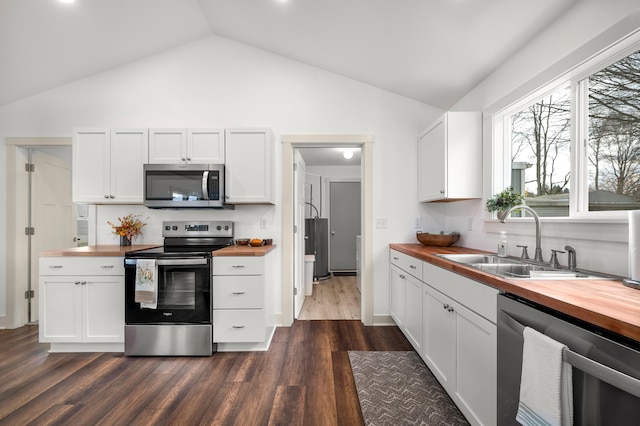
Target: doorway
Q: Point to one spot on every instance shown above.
(51, 215)
(289, 144)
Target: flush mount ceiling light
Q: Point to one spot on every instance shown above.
(66, 1)
(347, 154)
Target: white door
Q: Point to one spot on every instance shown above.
(299, 203)
(52, 212)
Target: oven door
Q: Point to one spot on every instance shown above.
(184, 292)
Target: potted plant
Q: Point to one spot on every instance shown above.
(503, 201)
(129, 228)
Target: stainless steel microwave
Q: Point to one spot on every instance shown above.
(183, 185)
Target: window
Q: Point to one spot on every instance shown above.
(536, 140)
(614, 135)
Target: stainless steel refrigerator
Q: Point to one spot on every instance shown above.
(316, 236)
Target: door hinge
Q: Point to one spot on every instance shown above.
(295, 291)
(29, 294)
(29, 230)
(295, 229)
(30, 168)
(295, 166)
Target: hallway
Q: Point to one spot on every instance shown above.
(333, 299)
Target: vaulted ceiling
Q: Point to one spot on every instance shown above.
(433, 51)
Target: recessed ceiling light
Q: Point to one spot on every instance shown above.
(347, 154)
(66, 1)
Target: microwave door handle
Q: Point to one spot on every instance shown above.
(205, 185)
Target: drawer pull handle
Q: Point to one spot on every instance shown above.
(106, 266)
(77, 283)
(55, 266)
(237, 266)
(402, 276)
(238, 292)
(396, 258)
(413, 266)
(237, 326)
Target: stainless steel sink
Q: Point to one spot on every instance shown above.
(513, 268)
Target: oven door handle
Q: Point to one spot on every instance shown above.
(171, 262)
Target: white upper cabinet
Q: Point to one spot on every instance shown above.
(450, 158)
(107, 165)
(249, 166)
(182, 146)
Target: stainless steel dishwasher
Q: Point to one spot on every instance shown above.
(606, 366)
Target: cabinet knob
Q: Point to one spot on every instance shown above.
(106, 196)
(402, 276)
(183, 159)
(442, 191)
(112, 196)
(188, 158)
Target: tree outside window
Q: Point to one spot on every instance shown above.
(614, 136)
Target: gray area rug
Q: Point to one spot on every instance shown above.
(397, 388)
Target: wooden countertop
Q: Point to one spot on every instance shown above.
(120, 251)
(605, 303)
(96, 251)
(244, 251)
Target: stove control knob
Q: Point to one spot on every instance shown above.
(175, 228)
(166, 228)
(226, 228)
(218, 227)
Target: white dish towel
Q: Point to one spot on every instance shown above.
(146, 291)
(546, 390)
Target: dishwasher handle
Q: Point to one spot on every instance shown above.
(613, 377)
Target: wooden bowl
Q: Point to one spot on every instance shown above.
(242, 241)
(440, 240)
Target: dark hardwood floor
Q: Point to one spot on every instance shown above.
(304, 379)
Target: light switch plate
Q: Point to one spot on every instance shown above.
(263, 223)
(381, 222)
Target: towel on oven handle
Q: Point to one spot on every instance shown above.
(146, 290)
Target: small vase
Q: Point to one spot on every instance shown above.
(124, 241)
(501, 214)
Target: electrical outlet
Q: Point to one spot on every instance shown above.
(263, 223)
(381, 222)
(470, 223)
(418, 223)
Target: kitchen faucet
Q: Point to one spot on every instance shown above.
(538, 252)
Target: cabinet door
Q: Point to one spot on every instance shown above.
(439, 337)
(167, 146)
(397, 283)
(91, 168)
(476, 368)
(60, 309)
(129, 151)
(249, 174)
(205, 146)
(413, 312)
(103, 309)
(432, 167)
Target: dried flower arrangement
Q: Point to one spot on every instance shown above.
(130, 226)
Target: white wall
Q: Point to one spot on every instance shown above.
(215, 82)
(573, 38)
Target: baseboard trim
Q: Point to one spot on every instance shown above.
(383, 320)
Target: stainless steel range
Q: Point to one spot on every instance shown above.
(168, 291)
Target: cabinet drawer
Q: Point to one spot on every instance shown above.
(238, 265)
(81, 266)
(407, 263)
(238, 292)
(239, 325)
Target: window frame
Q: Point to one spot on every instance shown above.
(577, 78)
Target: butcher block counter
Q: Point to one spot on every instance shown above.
(106, 250)
(604, 303)
(244, 251)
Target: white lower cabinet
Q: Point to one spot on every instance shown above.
(83, 309)
(451, 322)
(242, 312)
